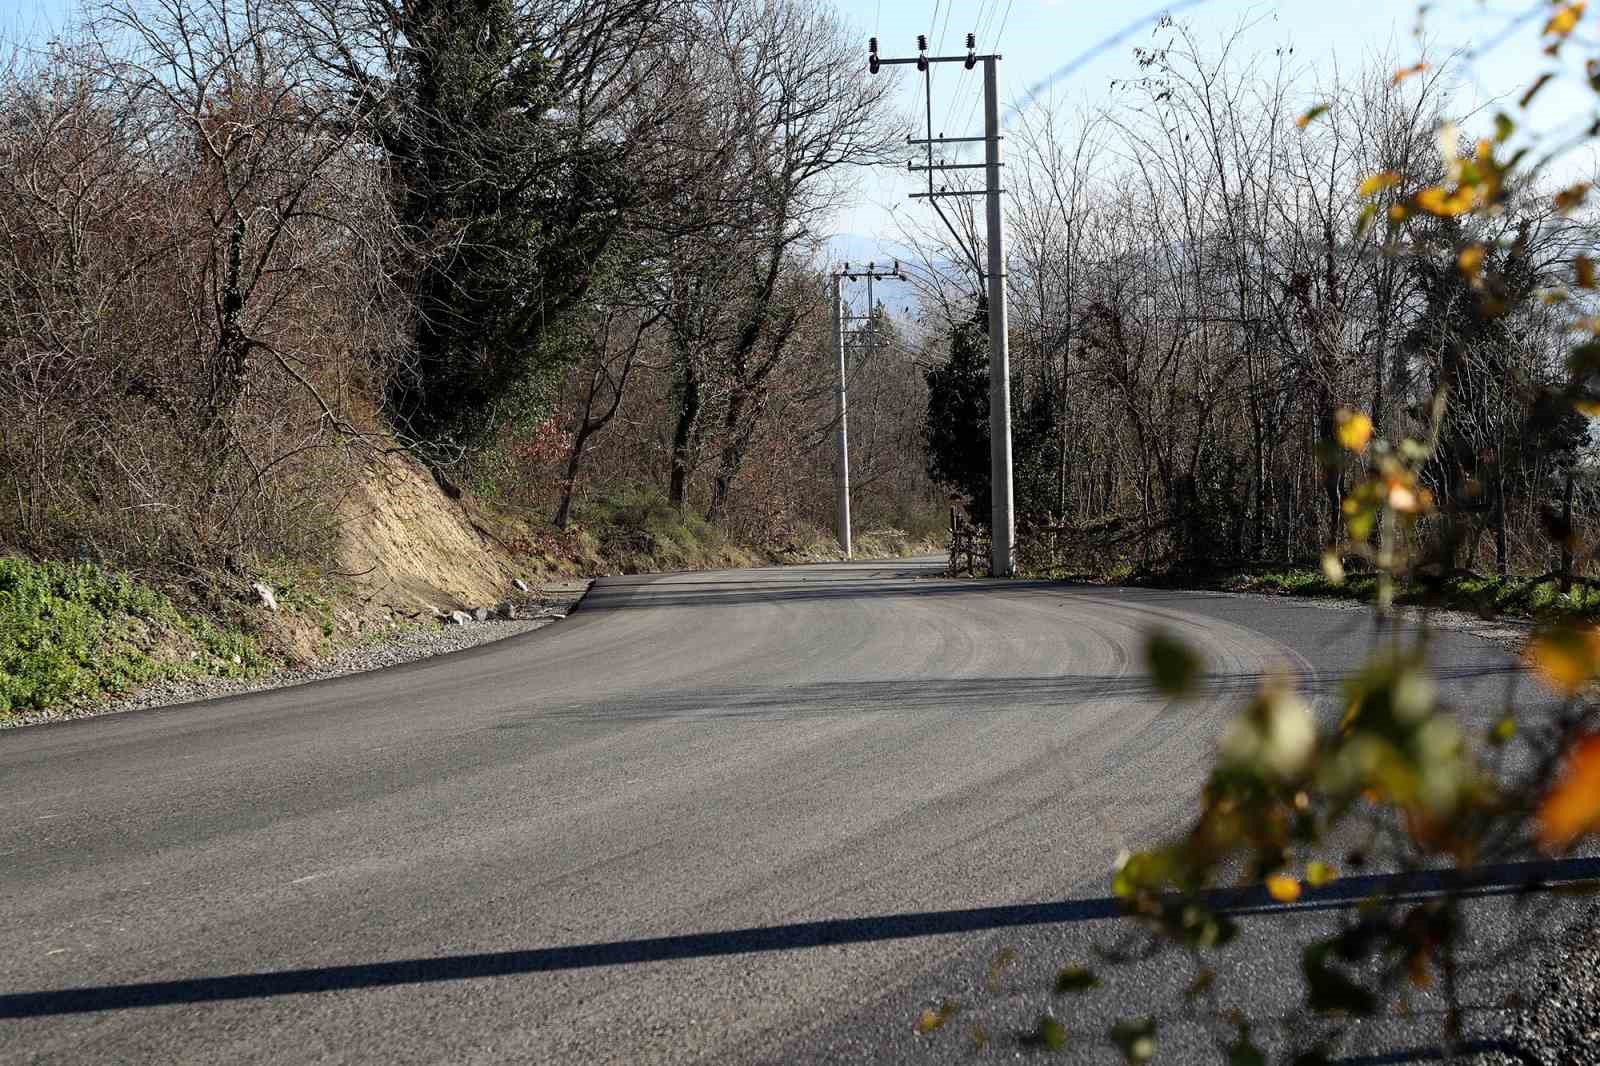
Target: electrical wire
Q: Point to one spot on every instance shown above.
(973, 110)
(961, 83)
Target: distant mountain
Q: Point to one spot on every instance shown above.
(858, 250)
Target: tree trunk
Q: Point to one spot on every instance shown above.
(732, 455)
(683, 435)
(1566, 528)
(1500, 563)
(578, 441)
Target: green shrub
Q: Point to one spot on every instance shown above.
(74, 631)
(637, 527)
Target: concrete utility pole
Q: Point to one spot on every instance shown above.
(841, 333)
(1003, 557)
(841, 462)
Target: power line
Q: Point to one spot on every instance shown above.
(961, 82)
(945, 31)
(1003, 20)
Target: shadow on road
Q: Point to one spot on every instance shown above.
(977, 694)
(1500, 880)
(651, 593)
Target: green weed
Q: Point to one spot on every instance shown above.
(70, 632)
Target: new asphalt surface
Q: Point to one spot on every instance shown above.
(753, 816)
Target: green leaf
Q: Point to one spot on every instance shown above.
(1049, 1034)
(1365, 220)
(1311, 116)
(1075, 979)
(1173, 667)
(1135, 1039)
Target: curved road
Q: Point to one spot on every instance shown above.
(763, 815)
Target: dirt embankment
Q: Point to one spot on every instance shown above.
(410, 548)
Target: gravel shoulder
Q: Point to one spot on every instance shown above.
(405, 644)
(1511, 633)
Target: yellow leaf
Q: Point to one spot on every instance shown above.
(1376, 183)
(1405, 72)
(1565, 20)
(934, 1018)
(1353, 428)
(1283, 888)
(1397, 213)
(1583, 266)
(1471, 261)
(1436, 201)
(1333, 568)
(1318, 874)
(1566, 658)
(1406, 498)
(1587, 407)
(1572, 809)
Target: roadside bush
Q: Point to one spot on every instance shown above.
(637, 528)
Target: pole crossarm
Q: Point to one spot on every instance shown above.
(948, 166)
(920, 60)
(953, 140)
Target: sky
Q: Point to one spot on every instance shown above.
(1038, 38)
(1095, 39)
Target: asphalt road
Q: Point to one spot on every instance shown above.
(754, 816)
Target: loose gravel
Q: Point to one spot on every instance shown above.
(1560, 1025)
(422, 641)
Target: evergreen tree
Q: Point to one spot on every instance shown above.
(957, 430)
(507, 204)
